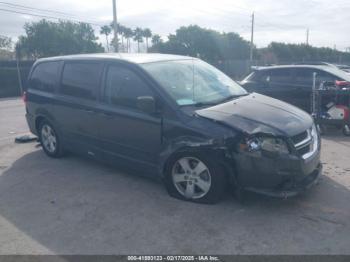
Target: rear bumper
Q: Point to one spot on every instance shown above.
(31, 123)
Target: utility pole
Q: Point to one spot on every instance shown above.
(115, 26)
(307, 36)
(252, 40)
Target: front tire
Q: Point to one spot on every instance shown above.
(195, 177)
(49, 139)
(346, 130)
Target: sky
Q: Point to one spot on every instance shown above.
(275, 20)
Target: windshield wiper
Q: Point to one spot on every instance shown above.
(200, 104)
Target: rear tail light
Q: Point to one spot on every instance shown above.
(24, 97)
(342, 83)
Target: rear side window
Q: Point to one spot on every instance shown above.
(280, 76)
(304, 76)
(123, 86)
(45, 76)
(272, 76)
(81, 79)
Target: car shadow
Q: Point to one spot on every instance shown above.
(77, 206)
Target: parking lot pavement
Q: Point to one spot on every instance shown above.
(75, 206)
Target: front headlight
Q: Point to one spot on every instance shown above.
(268, 144)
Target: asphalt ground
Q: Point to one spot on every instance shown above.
(76, 206)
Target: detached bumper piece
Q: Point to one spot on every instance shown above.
(291, 188)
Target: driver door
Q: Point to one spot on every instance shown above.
(126, 132)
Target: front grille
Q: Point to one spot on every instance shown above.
(306, 143)
(300, 137)
(303, 150)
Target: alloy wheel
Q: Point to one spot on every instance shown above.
(48, 138)
(191, 177)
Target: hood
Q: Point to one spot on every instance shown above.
(257, 113)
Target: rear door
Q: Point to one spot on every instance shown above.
(127, 132)
(302, 83)
(76, 104)
(42, 86)
(275, 83)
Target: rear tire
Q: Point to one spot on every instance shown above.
(195, 177)
(50, 140)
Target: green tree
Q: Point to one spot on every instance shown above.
(290, 53)
(5, 42)
(106, 30)
(128, 34)
(207, 44)
(156, 39)
(46, 38)
(138, 37)
(147, 33)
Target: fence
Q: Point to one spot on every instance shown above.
(9, 83)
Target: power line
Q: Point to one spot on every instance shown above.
(37, 9)
(47, 16)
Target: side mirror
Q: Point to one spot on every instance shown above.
(146, 104)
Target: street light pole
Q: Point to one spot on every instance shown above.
(115, 26)
(252, 40)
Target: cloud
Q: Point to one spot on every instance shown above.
(283, 21)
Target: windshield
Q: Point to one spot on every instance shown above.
(193, 82)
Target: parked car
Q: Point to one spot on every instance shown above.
(291, 83)
(345, 68)
(176, 118)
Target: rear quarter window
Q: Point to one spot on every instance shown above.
(81, 79)
(45, 76)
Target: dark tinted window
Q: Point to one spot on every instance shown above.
(45, 76)
(123, 86)
(280, 76)
(81, 79)
(325, 76)
(273, 76)
(304, 76)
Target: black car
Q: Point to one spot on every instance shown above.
(291, 83)
(174, 117)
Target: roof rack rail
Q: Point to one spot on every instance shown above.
(312, 63)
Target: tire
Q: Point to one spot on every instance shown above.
(322, 129)
(195, 177)
(346, 130)
(50, 140)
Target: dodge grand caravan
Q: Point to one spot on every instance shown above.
(176, 118)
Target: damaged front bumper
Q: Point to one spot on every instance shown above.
(277, 177)
(291, 189)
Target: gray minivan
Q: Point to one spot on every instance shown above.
(173, 117)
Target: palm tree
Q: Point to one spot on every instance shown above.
(138, 37)
(128, 33)
(106, 30)
(121, 32)
(147, 33)
(156, 39)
